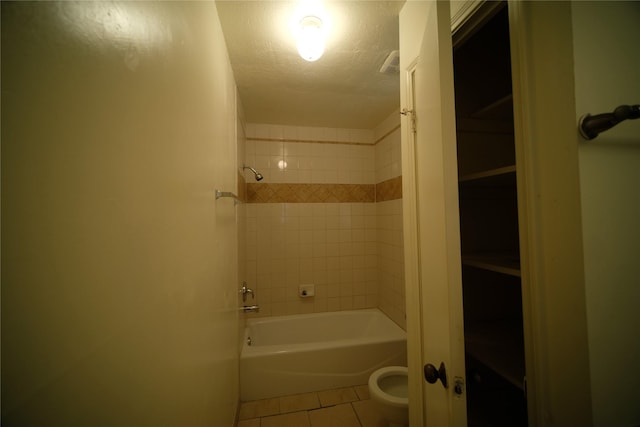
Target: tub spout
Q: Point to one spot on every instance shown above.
(250, 308)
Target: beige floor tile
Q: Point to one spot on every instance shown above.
(253, 422)
(368, 414)
(337, 396)
(334, 416)
(299, 402)
(362, 391)
(293, 419)
(259, 408)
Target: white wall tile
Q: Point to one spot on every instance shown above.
(352, 251)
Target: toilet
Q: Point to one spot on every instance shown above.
(388, 389)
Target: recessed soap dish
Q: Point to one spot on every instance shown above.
(305, 291)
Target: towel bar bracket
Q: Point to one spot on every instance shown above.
(591, 126)
(229, 194)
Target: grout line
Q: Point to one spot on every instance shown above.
(353, 408)
(359, 399)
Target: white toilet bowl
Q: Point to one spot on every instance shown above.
(388, 389)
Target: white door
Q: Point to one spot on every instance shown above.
(432, 231)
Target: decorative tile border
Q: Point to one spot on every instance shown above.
(324, 193)
(390, 189)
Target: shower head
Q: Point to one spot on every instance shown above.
(255, 172)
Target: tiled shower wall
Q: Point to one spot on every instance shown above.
(328, 213)
(389, 242)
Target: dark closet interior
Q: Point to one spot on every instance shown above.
(492, 295)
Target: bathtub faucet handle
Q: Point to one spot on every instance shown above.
(250, 308)
(244, 290)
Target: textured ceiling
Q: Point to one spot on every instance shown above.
(344, 88)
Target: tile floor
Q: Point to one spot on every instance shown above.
(343, 407)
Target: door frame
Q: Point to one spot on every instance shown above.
(552, 265)
(413, 294)
(549, 214)
(433, 270)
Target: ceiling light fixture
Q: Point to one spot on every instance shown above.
(311, 38)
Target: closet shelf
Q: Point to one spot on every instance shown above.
(499, 345)
(498, 262)
(488, 173)
(483, 126)
(501, 109)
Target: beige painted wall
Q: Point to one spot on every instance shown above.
(606, 75)
(119, 268)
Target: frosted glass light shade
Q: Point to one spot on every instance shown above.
(310, 39)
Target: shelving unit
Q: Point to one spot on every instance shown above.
(499, 263)
(489, 224)
(496, 110)
(488, 173)
(498, 345)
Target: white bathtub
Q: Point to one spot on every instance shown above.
(311, 352)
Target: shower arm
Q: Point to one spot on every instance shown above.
(257, 174)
